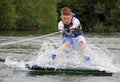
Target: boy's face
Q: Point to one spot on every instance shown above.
(66, 19)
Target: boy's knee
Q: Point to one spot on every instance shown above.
(81, 43)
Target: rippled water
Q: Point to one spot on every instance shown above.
(29, 50)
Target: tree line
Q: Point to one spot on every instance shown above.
(43, 15)
(28, 15)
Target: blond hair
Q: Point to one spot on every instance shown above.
(66, 11)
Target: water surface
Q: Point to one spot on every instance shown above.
(29, 49)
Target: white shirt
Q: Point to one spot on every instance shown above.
(74, 21)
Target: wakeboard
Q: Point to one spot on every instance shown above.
(38, 70)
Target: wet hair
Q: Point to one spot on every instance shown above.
(66, 11)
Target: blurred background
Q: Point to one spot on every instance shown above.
(43, 15)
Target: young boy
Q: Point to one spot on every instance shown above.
(72, 33)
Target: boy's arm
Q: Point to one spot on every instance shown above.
(74, 26)
(60, 26)
(76, 23)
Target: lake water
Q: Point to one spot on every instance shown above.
(105, 46)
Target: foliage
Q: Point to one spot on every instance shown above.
(28, 14)
(8, 14)
(42, 15)
(101, 27)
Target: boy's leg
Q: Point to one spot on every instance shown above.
(83, 48)
(67, 42)
(82, 44)
(65, 46)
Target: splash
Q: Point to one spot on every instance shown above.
(102, 59)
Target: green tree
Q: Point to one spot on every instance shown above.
(28, 15)
(8, 15)
(36, 14)
(113, 18)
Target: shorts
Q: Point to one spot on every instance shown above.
(75, 40)
(67, 39)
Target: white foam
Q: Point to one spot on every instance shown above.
(101, 58)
